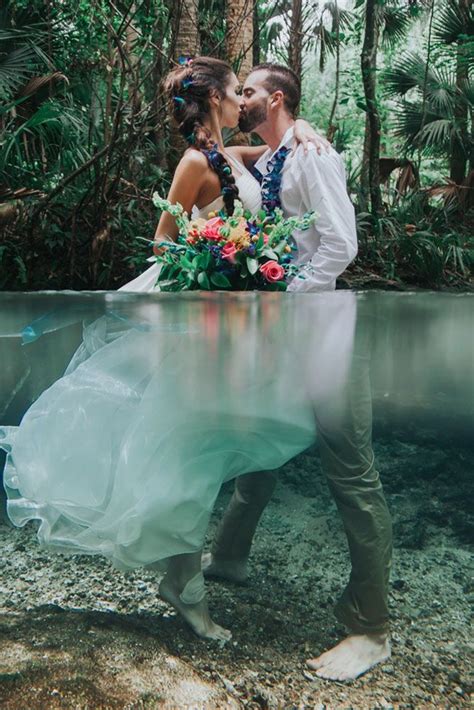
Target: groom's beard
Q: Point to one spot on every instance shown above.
(249, 120)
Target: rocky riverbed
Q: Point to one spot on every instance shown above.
(74, 633)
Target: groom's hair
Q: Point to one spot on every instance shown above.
(281, 78)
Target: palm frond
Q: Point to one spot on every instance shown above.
(453, 21)
(396, 22)
(16, 67)
(437, 133)
(38, 82)
(61, 130)
(423, 128)
(340, 17)
(408, 74)
(441, 91)
(466, 92)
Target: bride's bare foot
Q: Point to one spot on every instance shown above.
(352, 657)
(196, 615)
(232, 570)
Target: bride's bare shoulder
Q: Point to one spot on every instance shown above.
(193, 159)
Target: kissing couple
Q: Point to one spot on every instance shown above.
(148, 498)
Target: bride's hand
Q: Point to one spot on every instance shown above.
(159, 247)
(305, 133)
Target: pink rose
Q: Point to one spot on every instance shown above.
(229, 251)
(272, 271)
(211, 228)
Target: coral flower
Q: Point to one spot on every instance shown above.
(212, 227)
(229, 251)
(272, 271)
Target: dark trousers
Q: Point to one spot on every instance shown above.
(344, 430)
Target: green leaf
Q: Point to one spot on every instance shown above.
(243, 270)
(276, 286)
(220, 280)
(280, 248)
(164, 272)
(270, 253)
(252, 265)
(205, 260)
(190, 280)
(186, 264)
(203, 281)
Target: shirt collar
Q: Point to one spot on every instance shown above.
(287, 141)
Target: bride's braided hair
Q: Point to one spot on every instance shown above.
(189, 87)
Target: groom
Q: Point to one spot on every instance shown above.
(308, 181)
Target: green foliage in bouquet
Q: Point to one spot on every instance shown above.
(243, 252)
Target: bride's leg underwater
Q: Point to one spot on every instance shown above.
(183, 588)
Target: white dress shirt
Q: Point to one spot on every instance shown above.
(317, 182)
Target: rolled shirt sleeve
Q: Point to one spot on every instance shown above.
(322, 185)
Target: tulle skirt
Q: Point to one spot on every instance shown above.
(125, 454)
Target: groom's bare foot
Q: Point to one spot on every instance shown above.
(196, 615)
(232, 570)
(352, 657)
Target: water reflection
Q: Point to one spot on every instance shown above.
(422, 345)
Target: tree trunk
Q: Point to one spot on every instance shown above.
(296, 37)
(256, 37)
(240, 20)
(364, 170)
(372, 127)
(459, 157)
(186, 29)
(186, 42)
(159, 101)
(335, 30)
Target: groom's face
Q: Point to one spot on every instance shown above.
(254, 103)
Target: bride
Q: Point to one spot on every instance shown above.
(118, 457)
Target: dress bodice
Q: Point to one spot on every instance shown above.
(249, 195)
(249, 192)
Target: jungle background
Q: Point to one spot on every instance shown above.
(85, 135)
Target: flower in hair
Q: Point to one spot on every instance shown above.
(178, 100)
(185, 60)
(186, 83)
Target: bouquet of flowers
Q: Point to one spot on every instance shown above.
(239, 253)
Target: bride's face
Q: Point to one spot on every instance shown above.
(230, 104)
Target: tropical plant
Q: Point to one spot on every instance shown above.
(435, 98)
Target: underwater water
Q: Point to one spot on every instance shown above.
(258, 362)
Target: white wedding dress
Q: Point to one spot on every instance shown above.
(168, 396)
(249, 195)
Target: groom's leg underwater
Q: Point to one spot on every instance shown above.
(348, 461)
(231, 548)
(347, 458)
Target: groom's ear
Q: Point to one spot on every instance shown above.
(277, 99)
